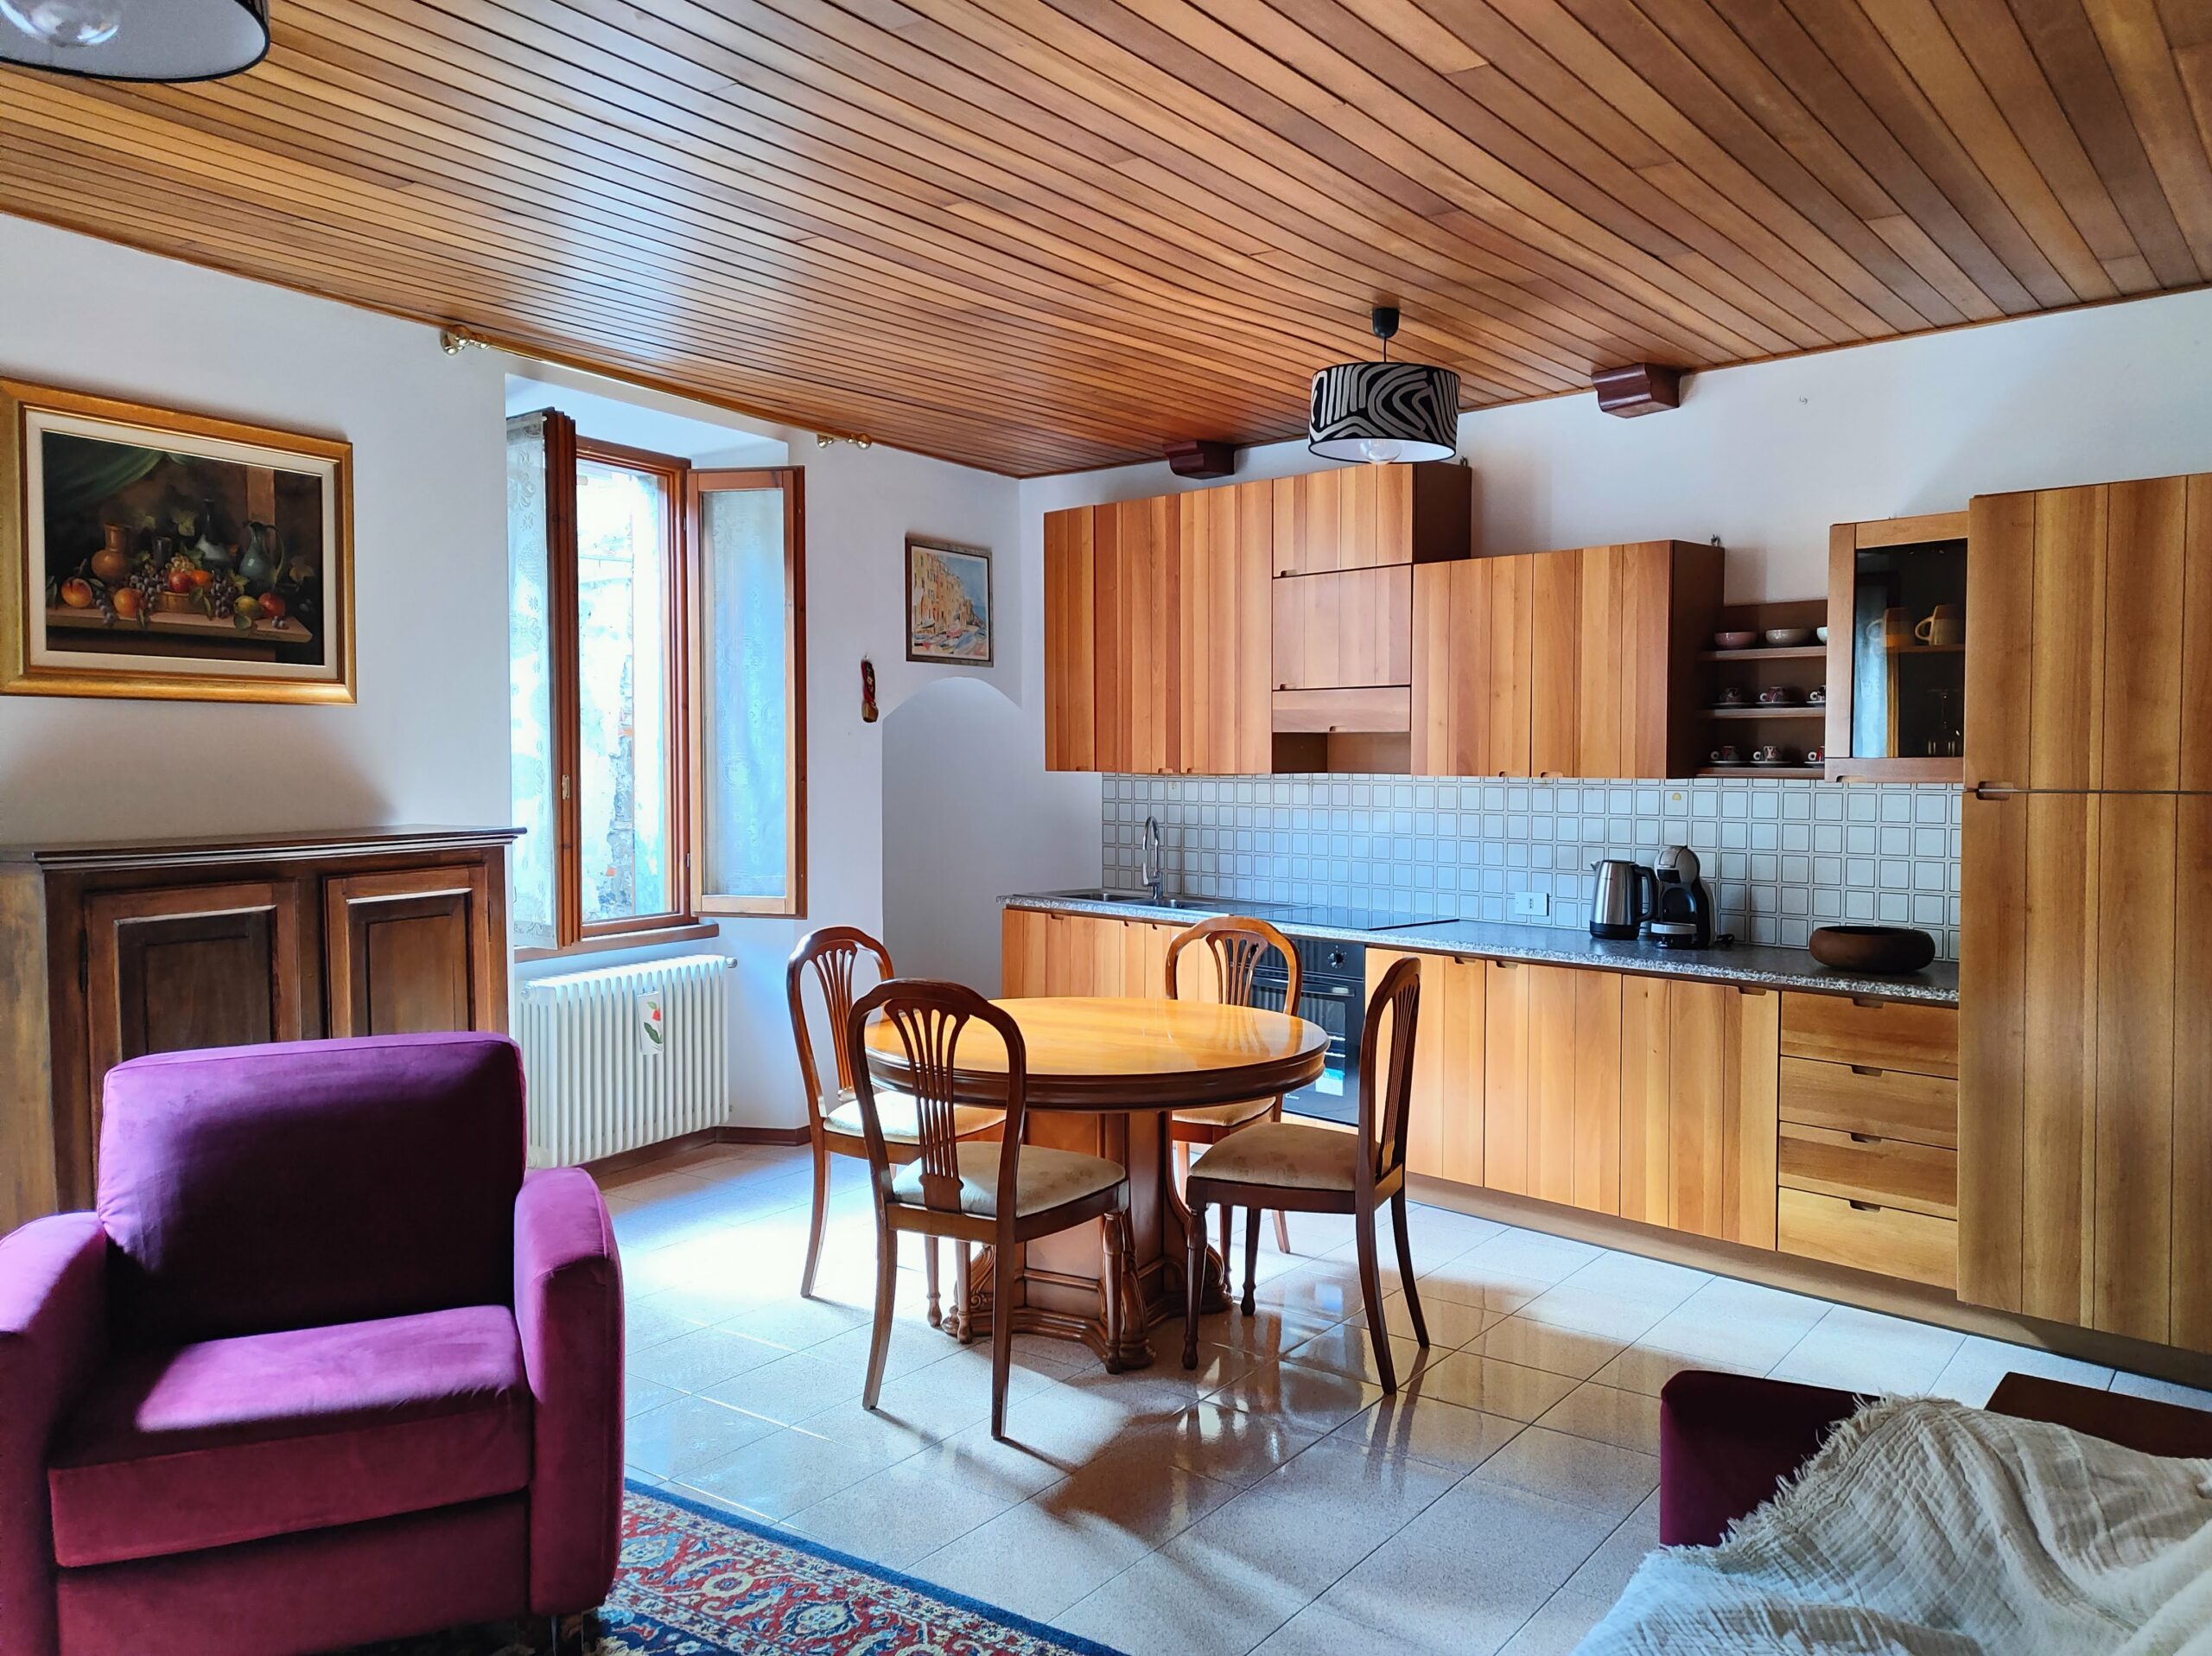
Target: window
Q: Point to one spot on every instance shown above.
(656, 659)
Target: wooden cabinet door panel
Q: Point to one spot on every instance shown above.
(1723, 1056)
(1646, 1065)
(1598, 1026)
(1343, 631)
(1508, 669)
(1226, 629)
(1022, 948)
(410, 953)
(1137, 613)
(1304, 523)
(1451, 657)
(1605, 654)
(1508, 1160)
(2192, 1272)
(1071, 643)
(183, 967)
(1555, 665)
(1552, 1000)
(1443, 1128)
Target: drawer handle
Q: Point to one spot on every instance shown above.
(1865, 1069)
(1866, 1206)
(1864, 1139)
(1866, 1000)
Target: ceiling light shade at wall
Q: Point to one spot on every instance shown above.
(135, 40)
(1383, 411)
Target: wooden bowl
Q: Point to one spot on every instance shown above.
(1884, 950)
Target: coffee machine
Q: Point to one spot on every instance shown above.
(1681, 918)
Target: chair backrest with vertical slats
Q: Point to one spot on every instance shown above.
(1386, 1088)
(833, 952)
(930, 1018)
(1237, 943)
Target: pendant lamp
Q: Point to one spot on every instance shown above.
(135, 40)
(1383, 411)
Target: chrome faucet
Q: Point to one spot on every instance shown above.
(1153, 872)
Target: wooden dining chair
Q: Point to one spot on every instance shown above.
(1000, 1195)
(1238, 944)
(1326, 1170)
(833, 954)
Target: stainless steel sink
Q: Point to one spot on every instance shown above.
(1141, 898)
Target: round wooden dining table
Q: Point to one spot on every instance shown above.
(1104, 1076)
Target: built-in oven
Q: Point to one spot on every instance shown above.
(1332, 993)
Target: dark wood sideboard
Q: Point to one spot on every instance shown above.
(109, 951)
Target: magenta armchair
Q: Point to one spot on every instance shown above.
(326, 1367)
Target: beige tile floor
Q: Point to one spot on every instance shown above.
(1273, 1500)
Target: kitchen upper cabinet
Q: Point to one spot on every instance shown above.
(1363, 517)
(1137, 566)
(2085, 1062)
(1444, 1125)
(1698, 1075)
(2090, 662)
(1561, 664)
(1349, 631)
(1071, 641)
(1225, 629)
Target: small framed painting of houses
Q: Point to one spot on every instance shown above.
(147, 553)
(948, 602)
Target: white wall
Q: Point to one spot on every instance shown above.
(1768, 456)
(427, 742)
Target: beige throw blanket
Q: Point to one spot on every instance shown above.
(1930, 1529)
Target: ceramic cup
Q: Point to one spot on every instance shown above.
(1944, 625)
(1772, 753)
(1731, 696)
(1727, 755)
(1777, 696)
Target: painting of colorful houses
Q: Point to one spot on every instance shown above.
(948, 602)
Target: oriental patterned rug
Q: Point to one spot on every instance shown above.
(696, 1581)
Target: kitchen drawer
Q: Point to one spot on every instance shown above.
(1892, 1241)
(1890, 1172)
(1859, 1098)
(1880, 1035)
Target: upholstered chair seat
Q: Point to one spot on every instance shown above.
(901, 1119)
(1044, 1178)
(1286, 1154)
(1227, 1115)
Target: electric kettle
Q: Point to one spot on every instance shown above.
(1627, 896)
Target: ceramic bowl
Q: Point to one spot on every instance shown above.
(1781, 638)
(1735, 640)
(1820, 635)
(1881, 949)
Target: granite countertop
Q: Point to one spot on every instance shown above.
(1744, 963)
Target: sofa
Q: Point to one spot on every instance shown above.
(1728, 1441)
(326, 1366)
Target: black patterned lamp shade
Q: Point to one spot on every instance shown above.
(1382, 412)
(135, 40)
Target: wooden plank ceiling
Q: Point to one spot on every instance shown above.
(1039, 235)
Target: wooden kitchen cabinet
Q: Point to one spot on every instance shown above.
(2089, 664)
(1071, 641)
(1444, 1125)
(1136, 563)
(1347, 630)
(1365, 517)
(1552, 1081)
(1225, 630)
(1698, 1068)
(1043, 953)
(2085, 1062)
(1564, 663)
(110, 952)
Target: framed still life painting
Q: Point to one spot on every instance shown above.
(948, 602)
(147, 553)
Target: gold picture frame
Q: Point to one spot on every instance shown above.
(152, 553)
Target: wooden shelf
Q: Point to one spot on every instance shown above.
(1797, 712)
(1779, 652)
(1813, 771)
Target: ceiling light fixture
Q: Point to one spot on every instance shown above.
(1384, 411)
(135, 40)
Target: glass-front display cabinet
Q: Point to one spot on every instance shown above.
(1896, 649)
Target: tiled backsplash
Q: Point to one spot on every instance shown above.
(1780, 856)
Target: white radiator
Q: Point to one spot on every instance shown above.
(625, 1056)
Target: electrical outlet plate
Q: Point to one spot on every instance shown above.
(1536, 904)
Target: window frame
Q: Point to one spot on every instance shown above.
(791, 481)
(695, 909)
